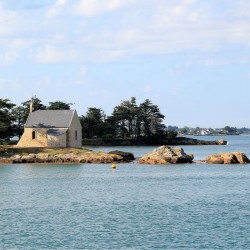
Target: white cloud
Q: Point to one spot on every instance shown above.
(96, 7)
(233, 58)
(8, 21)
(53, 54)
(81, 77)
(56, 9)
(8, 57)
(103, 56)
(54, 33)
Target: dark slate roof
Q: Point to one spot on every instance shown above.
(50, 119)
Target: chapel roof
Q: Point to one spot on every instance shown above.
(50, 119)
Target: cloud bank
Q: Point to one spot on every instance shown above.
(103, 31)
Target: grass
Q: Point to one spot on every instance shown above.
(9, 150)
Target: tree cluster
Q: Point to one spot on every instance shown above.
(128, 120)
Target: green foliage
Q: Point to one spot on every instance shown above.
(151, 119)
(172, 134)
(18, 114)
(229, 129)
(143, 121)
(128, 120)
(37, 105)
(6, 119)
(93, 123)
(125, 116)
(58, 105)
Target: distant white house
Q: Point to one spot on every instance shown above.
(205, 132)
(53, 129)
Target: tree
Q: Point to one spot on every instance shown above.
(126, 115)
(18, 120)
(151, 119)
(36, 103)
(143, 121)
(230, 130)
(110, 129)
(93, 123)
(58, 105)
(6, 119)
(184, 130)
(171, 133)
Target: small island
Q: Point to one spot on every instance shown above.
(56, 134)
(12, 155)
(129, 124)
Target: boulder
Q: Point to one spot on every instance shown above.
(16, 158)
(127, 156)
(166, 155)
(241, 157)
(221, 142)
(228, 158)
(30, 158)
(214, 159)
(4, 160)
(44, 157)
(65, 158)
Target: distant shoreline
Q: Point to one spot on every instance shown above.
(150, 142)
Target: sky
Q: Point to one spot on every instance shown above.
(189, 57)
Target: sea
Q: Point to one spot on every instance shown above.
(92, 206)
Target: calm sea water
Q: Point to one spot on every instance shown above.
(190, 206)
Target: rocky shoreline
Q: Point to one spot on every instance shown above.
(178, 141)
(70, 158)
(171, 155)
(160, 155)
(12, 155)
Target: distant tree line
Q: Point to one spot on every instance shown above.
(128, 120)
(227, 130)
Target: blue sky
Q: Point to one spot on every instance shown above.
(189, 57)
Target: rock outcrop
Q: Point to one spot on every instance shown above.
(228, 158)
(221, 142)
(166, 155)
(192, 141)
(71, 158)
(127, 156)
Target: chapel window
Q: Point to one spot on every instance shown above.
(33, 135)
(75, 135)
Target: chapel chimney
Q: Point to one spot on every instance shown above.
(31, 105)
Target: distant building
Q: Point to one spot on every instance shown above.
(53, 129)
(205, 132)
